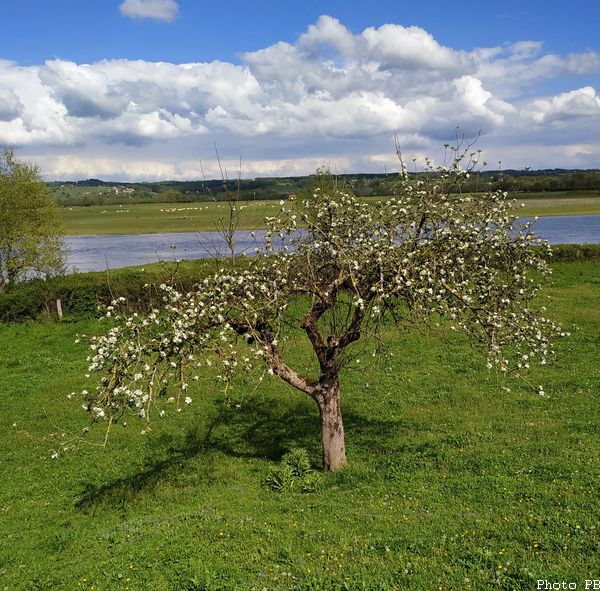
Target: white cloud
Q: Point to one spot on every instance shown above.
(518, 68)
(332, 93)
(161, 10)
(328, 32)
(410, 48)
(565, 107)
(10, 105)
(74, 166)
(479, 103)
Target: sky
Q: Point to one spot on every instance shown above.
(142, 90)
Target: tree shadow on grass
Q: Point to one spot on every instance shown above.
(264, 429)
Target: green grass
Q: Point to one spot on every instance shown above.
(553, 203)
(161, 217)
(453, 483)
(190, 217)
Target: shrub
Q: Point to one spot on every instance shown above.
(81, 293)
(575, 252)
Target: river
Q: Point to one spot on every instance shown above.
(102, 251)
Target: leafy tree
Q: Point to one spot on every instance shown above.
(337, 271)
(30, 230)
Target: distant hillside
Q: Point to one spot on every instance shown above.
(98, 192)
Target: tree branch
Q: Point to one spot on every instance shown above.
(353, 332)
(278, 365)
(309, 324)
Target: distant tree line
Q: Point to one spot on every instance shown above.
(538, 181)
(362, 185)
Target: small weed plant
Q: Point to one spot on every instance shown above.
(294, 474)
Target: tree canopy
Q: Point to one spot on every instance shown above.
(338, 270)
(30, 229)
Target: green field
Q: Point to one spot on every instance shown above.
(453, 484)
(190, 217)
(559, 203)
(161, 217)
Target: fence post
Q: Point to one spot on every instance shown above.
(59, 309)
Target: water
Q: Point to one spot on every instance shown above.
(102, 251)
(569, 229)
(99, 252)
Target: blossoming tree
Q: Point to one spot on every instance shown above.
(350, 267)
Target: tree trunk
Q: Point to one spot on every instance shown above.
(332, 427)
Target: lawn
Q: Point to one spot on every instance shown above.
(192, 217)
(454, 483)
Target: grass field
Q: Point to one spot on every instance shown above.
(559, 203)
(160, 217)
(190, 217)
(453, 482)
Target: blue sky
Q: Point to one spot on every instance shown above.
(92, 30)
(97, 88)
